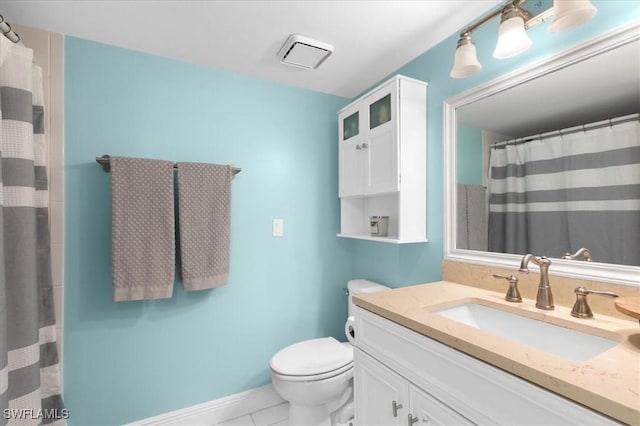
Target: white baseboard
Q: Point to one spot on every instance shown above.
(217, 411)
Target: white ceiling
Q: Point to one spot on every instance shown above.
(371, 38)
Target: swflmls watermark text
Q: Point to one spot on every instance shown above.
(31, 414)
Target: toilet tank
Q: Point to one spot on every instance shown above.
(361, 287)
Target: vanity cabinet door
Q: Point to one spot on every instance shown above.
(376, 389)
(425, 409)
(385, 398)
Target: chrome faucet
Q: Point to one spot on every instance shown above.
(544, 299)
(584, 252)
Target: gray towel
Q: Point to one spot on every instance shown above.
(462, 222)
(204, 211)
(143, 228)
(472, 218)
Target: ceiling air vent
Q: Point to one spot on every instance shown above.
(303, 52)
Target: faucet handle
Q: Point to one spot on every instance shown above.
(513, 295)
(581, 308)
(585, 252)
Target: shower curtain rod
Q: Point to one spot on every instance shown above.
(5, 28)
(582, 128)
(105, 162)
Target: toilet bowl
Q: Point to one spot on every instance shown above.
(316, 376)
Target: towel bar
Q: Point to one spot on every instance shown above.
(105, 162)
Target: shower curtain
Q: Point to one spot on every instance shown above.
(29, 369)
(554, 195)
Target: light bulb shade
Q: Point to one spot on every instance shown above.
(512, 38)
(570, 13)
(465, 61)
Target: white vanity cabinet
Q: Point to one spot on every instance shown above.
(382, 161)
(393, 400)
(435, 384)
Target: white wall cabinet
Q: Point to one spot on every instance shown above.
(436, 384)
(382, 161)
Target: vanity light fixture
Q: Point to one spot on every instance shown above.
(465, 62)
(568, 14)
(517, 16)
(512, 36)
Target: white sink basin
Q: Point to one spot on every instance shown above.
(563, 342)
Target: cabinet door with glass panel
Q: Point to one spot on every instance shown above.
(382, 140)
(368, 145)
(351, 152)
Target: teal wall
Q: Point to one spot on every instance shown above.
(130, 360)
(418, 263)
(469, 155)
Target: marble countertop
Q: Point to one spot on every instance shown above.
(609, 382)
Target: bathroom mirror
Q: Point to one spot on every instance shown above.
(578, 89)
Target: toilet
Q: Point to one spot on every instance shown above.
(316, 376)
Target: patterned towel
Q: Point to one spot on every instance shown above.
(143, 228)
(204, 211)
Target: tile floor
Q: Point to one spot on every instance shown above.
(272, 416)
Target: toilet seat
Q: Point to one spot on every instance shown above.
(314, 359)
(312, 378)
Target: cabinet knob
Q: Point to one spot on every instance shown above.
(365, 145)
(358, 147)
(395, 407)
(411, 420)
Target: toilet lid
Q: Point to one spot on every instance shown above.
(312, 357)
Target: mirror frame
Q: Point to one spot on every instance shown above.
(605, 272)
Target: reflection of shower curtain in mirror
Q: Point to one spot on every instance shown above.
(553, 195)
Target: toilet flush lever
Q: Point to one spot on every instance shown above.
(395, 407)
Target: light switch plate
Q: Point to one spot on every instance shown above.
(277, 228)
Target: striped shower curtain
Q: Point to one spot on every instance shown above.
(29, 369)
(554, 195)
